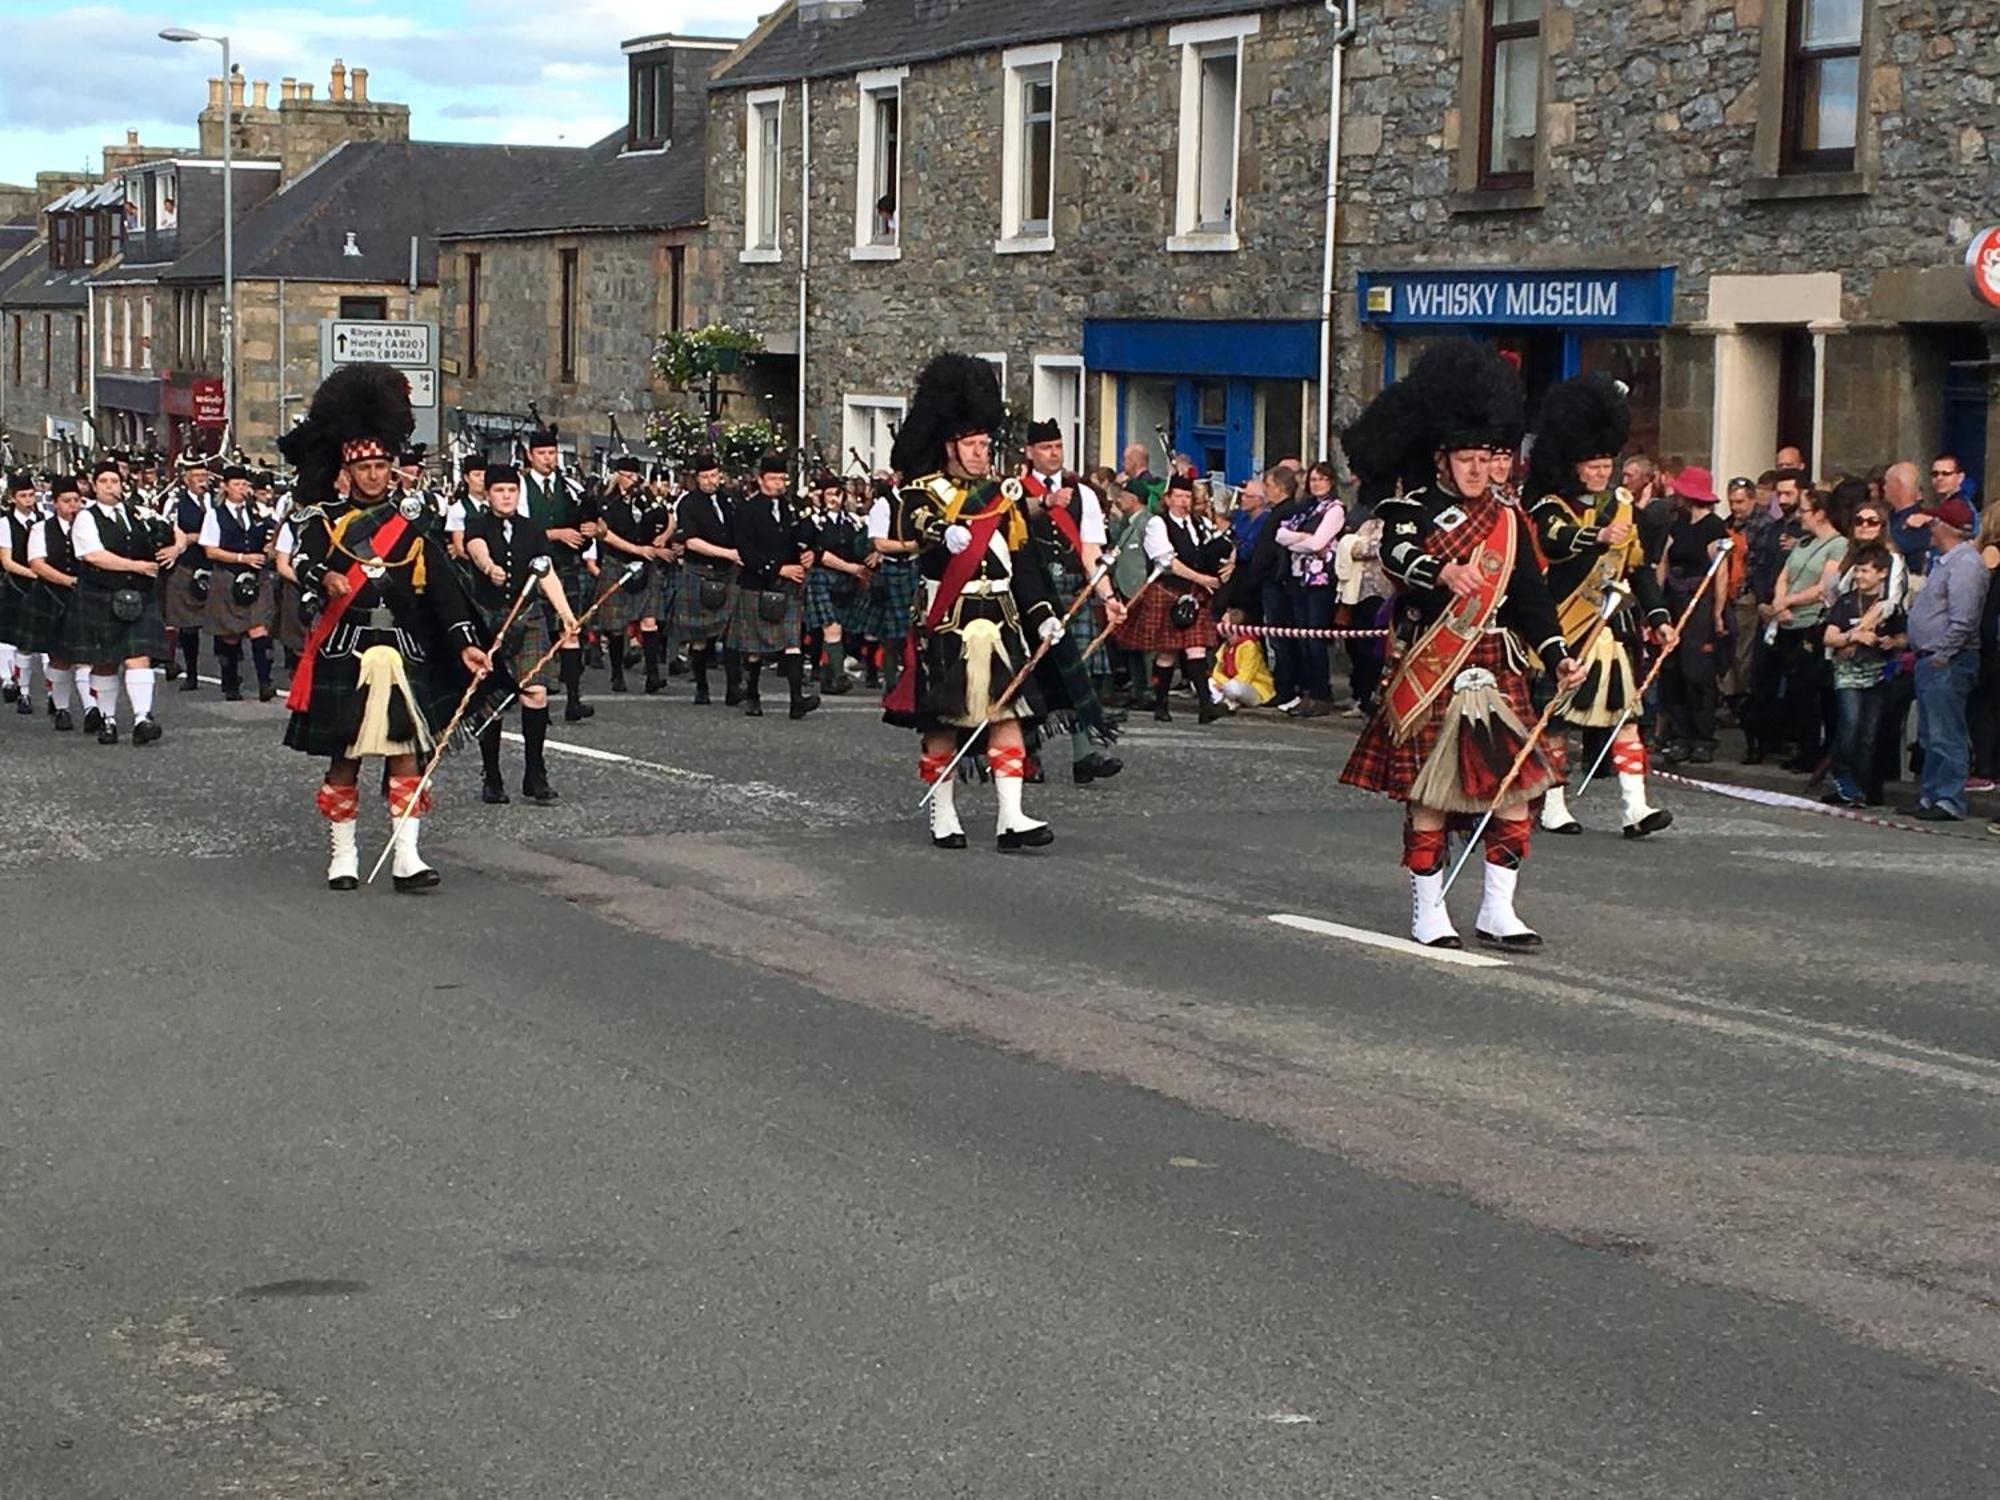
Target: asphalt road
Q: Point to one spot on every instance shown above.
(708, 1135)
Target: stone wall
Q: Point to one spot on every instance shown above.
(31, 400)
(872, 324)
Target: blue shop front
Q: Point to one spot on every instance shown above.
(1232, 394)
(1553, 323)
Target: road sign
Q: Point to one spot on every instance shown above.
(423, 388)
(362, 342)
(1982, 263)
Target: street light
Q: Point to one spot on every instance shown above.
(183, 34)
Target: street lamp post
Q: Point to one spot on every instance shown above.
(182, 34)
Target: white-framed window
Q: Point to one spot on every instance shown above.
(868, 429)
(1059, 397)
(110, 324)
(1028, 149)
(1211, 131)
(146, 334)
(999, 363)
(125, 333)
(878, 175)
(763, 174)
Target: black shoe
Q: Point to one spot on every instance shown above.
(1452, 942)
(593, 657)
(1799, 767)
(1312, 708)
(1571, 829)
(25, 704)
(1701, 755)
(190, 683)
(93, 720)
(805, 706)
(1654, 821)
(539, 792)
(173, 668)
(1162, 716)
(677, 667)
(108, 735)
(655, 683)
(731, 698)
(423, 880)
(833, 684)
(1674, 752)
(753, 708)
(1208, 711)
(1027, 838)
(63, 722)
(146, 731)
(344, 883)
(701, 695)
(618, 685)
(578, 711)
(232, 695)
(10, 693)
(1753, 754)
(1930, 812)
(493, 794)
(1520, 942)
(1095, 768)
(265, 692)
(948, 841)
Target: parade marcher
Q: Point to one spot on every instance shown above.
(184, 594)
(17, 579)
(114, 624)
(1472, 611)
(1588, 531)
(52, 558)
(984, 602)
(1068, 526)
(706, 602)
(242, 596)
(1690, 681)
(889, 610)
(774, 543)
(838, 587)
(636, 528)
(556, 503)
(467, 501)
(1171, 621)
(502, 545)
(390, 652)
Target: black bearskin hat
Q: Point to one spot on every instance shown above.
(1588, 417)
(355, 404)
(956, 395)
(1459, 394)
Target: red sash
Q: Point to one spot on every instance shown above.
(384, 540)
(1059, 516)
(902, 699)
(1427, 669)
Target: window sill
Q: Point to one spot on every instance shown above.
(1797, 186)
(1512, 200)
(876, 252)
(1204, 242)
(760, 257)
(1025, 244)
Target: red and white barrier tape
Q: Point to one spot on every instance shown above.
(1963, 831)
(1298, 633)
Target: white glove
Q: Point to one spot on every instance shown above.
(957, 539)
(1052, 630)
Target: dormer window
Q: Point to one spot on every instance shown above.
(651, 117)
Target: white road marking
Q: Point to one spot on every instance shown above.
(1362, 935)
(764, 790)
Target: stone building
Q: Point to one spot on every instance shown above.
(554, 291)
(1119, 204)
(1756, 212)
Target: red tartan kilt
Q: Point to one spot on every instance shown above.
(1150, 626)
(1379, 764)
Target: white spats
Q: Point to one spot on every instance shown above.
(1556, 816)
(945, 826)
(1430, 921)
(1639, 813)
(405, 863)
(1498, 922)
(343, 865)
(1007, 792)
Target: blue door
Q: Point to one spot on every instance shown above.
(1964, 434)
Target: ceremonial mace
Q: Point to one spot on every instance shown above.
(538, 569)
(1616, 592)
(631, 570)
(1083, 597)
(1722, 550)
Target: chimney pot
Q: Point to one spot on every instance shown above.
(336, 84)
(236, 91)
(260, 94)
(131, 137)
(305, 91)
(288, 88)
(358, 81)
(215, 93)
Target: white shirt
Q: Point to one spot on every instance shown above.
(38, 542)
(454, 517)
(211, 523)
(85, 535)
(878, 520)
(1159, 546)
(287, 543)
(1091, 525)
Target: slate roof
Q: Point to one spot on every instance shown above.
(603, 190)
(30, 283)
(382, 192)
(885, 33)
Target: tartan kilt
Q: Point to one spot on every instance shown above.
(326, 727)
(753, 635)
(291, 623)
(527, 642)
(884, 612)
(92, 637)
(227, 617)
(178, 605)
(13, 611)
(1150, 626)
(625, 608)
(1085, 623)
(692, 625)
(38, 621)
(1379, 764)
(829, 599)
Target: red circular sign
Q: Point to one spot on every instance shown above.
(1982, 264)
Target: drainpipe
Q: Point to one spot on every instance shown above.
(805, 257)
(282, 428)
(1344, 13)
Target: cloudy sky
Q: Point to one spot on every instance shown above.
(74, 77)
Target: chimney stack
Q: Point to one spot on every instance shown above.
(236, 91)
(336, 84)
(305, 92)
(260, 95)
(131, 137)
(215, 94)
(358, 79)
(288, 88)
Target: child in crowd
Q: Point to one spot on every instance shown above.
(1864, 628)
(1242, 677)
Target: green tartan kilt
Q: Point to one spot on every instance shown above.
(628, 607)
(1084, 624)
(753, 635)
(326, 727)
(527, 642)
(92, 636)
(692, 624)
(38, 626)
(178, 605)
(227, 617)
(884, 612)
(830, 599)
(13, 612)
